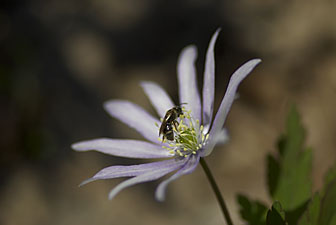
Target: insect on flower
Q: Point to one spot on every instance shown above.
(169, 120)
(190, 130)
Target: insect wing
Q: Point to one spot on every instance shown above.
(162, 127)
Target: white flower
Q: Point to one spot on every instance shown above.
(196, 135)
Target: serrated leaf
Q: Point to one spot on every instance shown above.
(253, 212)
(276, 215)
(293, 185)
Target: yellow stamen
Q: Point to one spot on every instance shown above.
(188, 135)
(206, 137)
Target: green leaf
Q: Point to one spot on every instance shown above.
(289, 176)
(329, 177)
(311, 215)
(328, 203)
(293, 216)
(276, 215)
(253, 212)
(322, 210)
(273, 172)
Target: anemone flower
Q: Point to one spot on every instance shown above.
(195, 131)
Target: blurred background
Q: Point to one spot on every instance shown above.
(61, 59)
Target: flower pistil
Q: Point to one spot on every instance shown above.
(188, 136)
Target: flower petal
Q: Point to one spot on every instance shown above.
(154, 174)
(133, 170)
(222, 137)
(186, 74)
(229, 97)
(187, 168)
(158, 97)
(123, 148)
(209, 83)
(134, 116)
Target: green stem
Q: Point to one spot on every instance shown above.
(217, 192)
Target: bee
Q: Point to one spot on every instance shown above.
(167, 132)
(169, 120)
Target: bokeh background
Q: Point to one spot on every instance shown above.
(61, 59)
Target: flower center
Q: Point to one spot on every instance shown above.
(188, 136)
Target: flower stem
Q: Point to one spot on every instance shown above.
(217, 192)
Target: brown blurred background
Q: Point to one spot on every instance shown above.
(61, 59)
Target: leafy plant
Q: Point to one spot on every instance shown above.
(322, 207)
(276, 215)
(290, 186)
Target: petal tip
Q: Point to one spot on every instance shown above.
(76, 146)
(81, 146)
(189, 50)
(111, 195)
(256, 61)
(215, 35)
(86, 182)
(159, 196)
(160, 199)
(107, 104)
(145, 83)
(110, 105)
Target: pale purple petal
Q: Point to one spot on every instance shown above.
(187, 168)
(187, 81)
(123, 148)
(209, 83)
(158, 97)
(134, 116)
(154, 174)
(222, 136)
(229, 97)
(133, 170)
